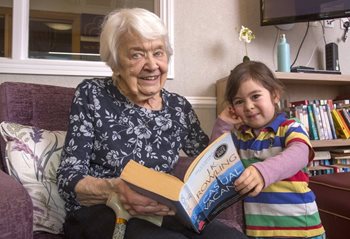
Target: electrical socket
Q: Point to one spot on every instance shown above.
(328, 23)
(342, 21)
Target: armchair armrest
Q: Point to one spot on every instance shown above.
(16, 209)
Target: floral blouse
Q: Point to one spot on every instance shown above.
(106, 130)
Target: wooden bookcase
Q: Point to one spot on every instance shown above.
(301, 86)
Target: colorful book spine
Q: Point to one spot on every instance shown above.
(346, 116)
(347, 129)
(318, 121)
(312, 125)
(342, 132)
(331, 122)
(325, 122)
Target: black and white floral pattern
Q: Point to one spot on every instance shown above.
(106, 130)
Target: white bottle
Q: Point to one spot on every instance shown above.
(283, 55)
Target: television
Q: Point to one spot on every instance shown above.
(278, 12)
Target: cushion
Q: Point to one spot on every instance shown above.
(32, 156)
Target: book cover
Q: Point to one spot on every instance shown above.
(206, 190)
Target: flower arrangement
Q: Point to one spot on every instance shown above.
(247, 36)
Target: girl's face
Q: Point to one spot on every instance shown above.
(254, 104)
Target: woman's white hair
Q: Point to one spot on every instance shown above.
(129, 20)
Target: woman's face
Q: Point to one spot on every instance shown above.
(143, 67)
(254, 104)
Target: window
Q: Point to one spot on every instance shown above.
(50, 39)
(5, 28)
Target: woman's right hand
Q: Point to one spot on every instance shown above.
(137, 204)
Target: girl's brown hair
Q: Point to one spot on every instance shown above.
(256, 71)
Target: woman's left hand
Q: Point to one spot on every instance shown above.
(250, 182)
(137, 204)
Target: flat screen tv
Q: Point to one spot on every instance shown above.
(276, 12)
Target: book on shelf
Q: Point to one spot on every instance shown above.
(300, 112)
(312, 125)
(340, 168)
(340, 150)
(331, 121)
(299, 103)
(320, 163)
(341, 103)
(345, 114)
(207, 188)
(340, 127)
(322, 155)
(325, 122)
(318, 121)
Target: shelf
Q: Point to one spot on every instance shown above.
(330, 143)
(313, 78)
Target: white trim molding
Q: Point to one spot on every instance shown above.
(202, 102)
(21, 64)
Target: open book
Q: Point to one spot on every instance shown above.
(207, 188)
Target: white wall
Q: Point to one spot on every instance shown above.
(207, 48)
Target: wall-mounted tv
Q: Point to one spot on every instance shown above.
(276, 12)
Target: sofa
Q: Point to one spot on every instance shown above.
(43, 110)
(332, 195)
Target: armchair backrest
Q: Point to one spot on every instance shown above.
(43, 106)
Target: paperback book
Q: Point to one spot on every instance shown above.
(207, 188)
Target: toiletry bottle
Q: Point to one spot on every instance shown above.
(283, 55)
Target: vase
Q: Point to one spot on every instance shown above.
(246, 59)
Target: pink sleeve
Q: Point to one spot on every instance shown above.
(284, 165)
(219, 128)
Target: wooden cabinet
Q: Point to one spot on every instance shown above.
(301, 86)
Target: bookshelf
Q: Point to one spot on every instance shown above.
(305, 86)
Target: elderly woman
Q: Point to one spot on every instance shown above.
(128, 116)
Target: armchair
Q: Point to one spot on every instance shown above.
(46, 107)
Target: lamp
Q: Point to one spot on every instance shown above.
(59, 26)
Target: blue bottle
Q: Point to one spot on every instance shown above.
(283, 55)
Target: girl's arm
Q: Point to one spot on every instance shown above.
(284, 165)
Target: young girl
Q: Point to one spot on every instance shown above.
(275, 151)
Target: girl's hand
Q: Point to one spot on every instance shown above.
(229, 116)
(250, 182)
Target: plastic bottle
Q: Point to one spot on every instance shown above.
(283, 55)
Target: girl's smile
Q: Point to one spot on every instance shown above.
(254, 104)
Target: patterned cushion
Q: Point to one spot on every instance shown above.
(32, 156)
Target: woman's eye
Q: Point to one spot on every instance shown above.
(159, 53)
(136, 55)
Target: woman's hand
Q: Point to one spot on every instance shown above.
(250, 182)
(92, 191)
(229, 116)
(137, 204)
